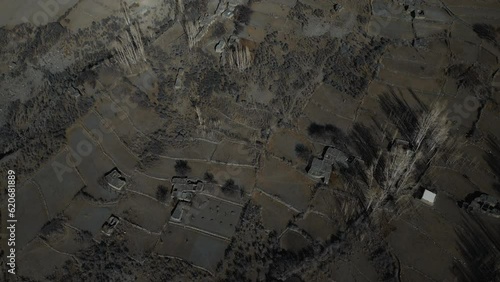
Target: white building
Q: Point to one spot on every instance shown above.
(429, 197)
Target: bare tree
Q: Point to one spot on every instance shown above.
(193, 31)
(180, 6)
(129, 49)
(240, 57)
(400, 175)
(432, 127)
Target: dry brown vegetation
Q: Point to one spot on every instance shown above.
(400, 169)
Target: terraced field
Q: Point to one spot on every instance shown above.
(182, 140)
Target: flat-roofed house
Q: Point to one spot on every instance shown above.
(322, 168)
(115, 179)
(429, 197)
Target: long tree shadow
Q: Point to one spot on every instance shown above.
(364, 143)
(493, 158)
(400, 113)
(479, 244)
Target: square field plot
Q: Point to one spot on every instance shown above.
(275, 215)
(230, 152)
(39, 260)
(87, 216)
(200, 249)
(59, 183)
(217, 217)
(143, 211)
(30, 213)
(192, 150)
(283, 181)
(92, 163)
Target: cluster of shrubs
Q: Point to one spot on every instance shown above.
(230, 188)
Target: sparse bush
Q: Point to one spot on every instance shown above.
(102, 182)
(218, 30)
(352, 74)
(211, 80)
(161, 193)
(485, 31)
(151, 152)
(468, 76)
(302, 152)
(242, 14)
(209, 177)
(193, 9)
(89, 76)
(230, 188)
(326, 132)
(316, 129)
(182, 167)
(53, 226)
(318, 13)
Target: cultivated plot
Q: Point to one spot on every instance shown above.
(87, 216)
(132, 209)
(199, 249)
(31, 213)
(283, 181)
(59, 182)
